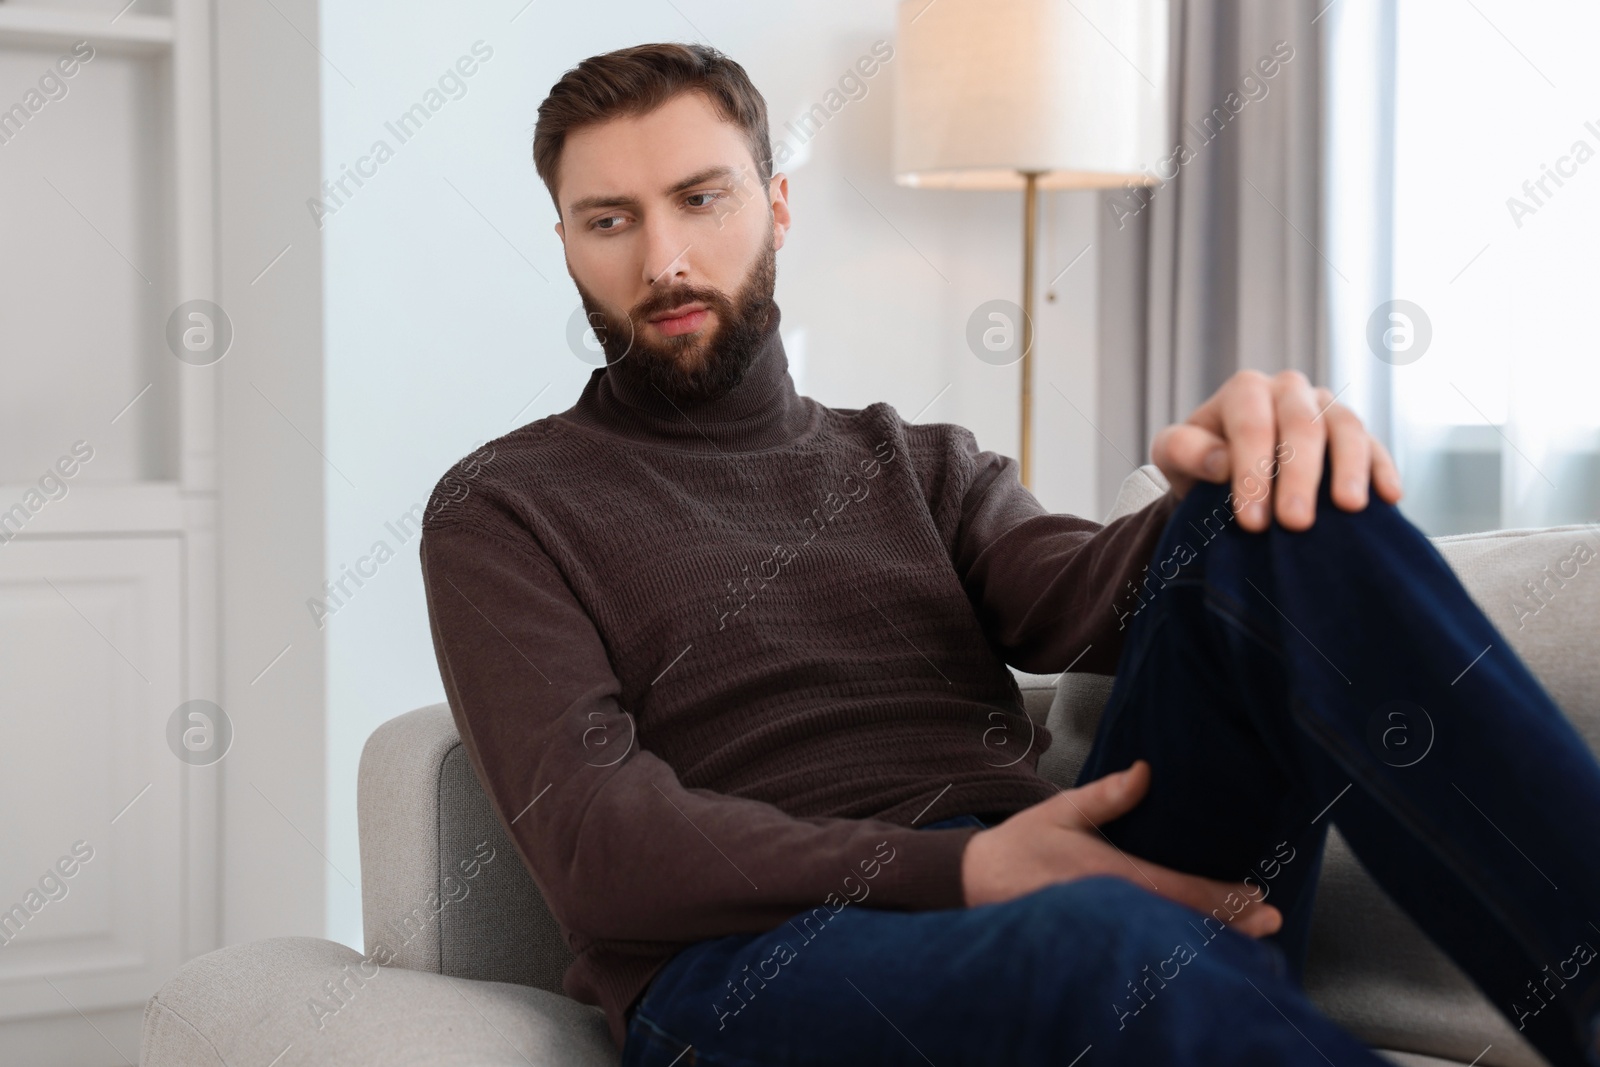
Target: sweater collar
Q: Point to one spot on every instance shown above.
(762, 412)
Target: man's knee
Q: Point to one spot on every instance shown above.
(1208, 514)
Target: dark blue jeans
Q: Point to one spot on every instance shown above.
(1277, 683)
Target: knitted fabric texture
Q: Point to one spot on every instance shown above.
(715, 664)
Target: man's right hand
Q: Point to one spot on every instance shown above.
(1058, 840)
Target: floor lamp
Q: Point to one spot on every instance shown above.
(1030, 95)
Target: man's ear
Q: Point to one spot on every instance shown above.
(561, 233)
(778, 191)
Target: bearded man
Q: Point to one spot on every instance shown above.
(729, 664)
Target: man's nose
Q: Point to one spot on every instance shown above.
(667, 252)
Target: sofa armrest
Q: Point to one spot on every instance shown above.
(1142, 486)
(443, 888)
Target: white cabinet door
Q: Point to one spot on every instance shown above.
(91, 794)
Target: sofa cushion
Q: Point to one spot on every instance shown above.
(253, 1004)
(290, 1001)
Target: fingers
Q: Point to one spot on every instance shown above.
(1109, 797)
(1385, 476)
(1350, 450)
(1086, 807)
(1249, 424)
(1274, 433)
(1238, 904)
(1304, 435)
(1187, 453)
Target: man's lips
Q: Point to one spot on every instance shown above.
(685, 319)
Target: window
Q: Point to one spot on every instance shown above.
(1474, 166)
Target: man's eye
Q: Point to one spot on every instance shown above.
(713, 195)
(597, 222)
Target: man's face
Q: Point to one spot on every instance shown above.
(671, 240)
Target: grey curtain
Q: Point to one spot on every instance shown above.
(1220, 267)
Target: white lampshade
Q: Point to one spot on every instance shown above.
(987, 88)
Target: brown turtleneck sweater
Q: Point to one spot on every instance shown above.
(714, 665)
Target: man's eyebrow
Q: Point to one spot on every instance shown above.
(589, 203)
(720, 171)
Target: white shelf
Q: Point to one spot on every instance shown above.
(43, 27)
(89, 508)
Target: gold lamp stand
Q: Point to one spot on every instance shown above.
(1030, 215)
(987, 91)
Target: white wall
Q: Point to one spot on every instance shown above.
(272, 479)
(447, 296)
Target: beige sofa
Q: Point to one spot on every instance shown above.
(463, 961)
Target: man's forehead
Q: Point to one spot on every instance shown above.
(681, 143)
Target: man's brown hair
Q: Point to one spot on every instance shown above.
(637, 80)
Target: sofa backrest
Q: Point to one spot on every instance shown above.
(1541, 588)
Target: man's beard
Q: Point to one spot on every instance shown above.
(671, 366)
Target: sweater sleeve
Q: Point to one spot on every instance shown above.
(1050, 590)
(618, 846)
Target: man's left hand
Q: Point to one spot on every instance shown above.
(1268, 437)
